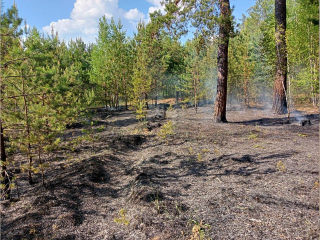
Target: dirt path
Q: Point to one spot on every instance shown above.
(252, 178)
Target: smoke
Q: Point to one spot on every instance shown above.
(297, 115)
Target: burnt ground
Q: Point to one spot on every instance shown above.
(252, 178)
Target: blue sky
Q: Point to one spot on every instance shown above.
(75, 18)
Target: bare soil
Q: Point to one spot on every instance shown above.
(255, 177)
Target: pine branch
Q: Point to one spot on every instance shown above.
(19, 76)
(22, 95)
(13, 60)
(4, 35)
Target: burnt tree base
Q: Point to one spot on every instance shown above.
(220, 120)
(279, 104)
(305, 122)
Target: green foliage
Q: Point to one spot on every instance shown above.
(112, 61)
(141, 79)
(191, 151)
(302, 135)
(45, 84)
(303, 50)
(141, 111)
(90, 135)
(252, 58)
(194, 84)
(205, 150)
(157, 202)
(199, 157)
(122, 219)
(281, 166)
(199, 230)
(166, 130)
(258, 146)
(252, 136)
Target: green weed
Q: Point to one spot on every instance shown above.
(252, 136)
(302, 135)
(190, 150)
(258, 146)
(141, 111)
(122, 219)
(166, 130)
(205, 150)
(281, 166)
(199, 230)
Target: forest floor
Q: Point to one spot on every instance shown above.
(254, 177)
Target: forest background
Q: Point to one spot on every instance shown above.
(48, 83)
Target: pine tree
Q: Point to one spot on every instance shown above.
(242, 63)
(202, 15)
(10, 47)
(193, 86)
(280, 85)
(99, 74)
(41, 96)
(141, 80)
(220, 106)
(175, 54)
(157, 52)
(302, 45)
(111, 64)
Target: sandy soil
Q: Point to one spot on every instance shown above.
(252, 178)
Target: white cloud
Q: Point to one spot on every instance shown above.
(85, 15)
(108, 15)
(156, 3)
(84, 19)
(153, 9)
(134, 14)
(156, 7)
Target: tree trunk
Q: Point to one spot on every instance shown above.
(4, 175)
(246, 98)
(146, 100)
(224, 30)
(195, 90)
(117, 102)
(28, 144)
(28, 132)
(156, 93)
(280, 85)
(105, 97)
(126, 96)
(41, 164)
(246, 78)
(177, 97)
